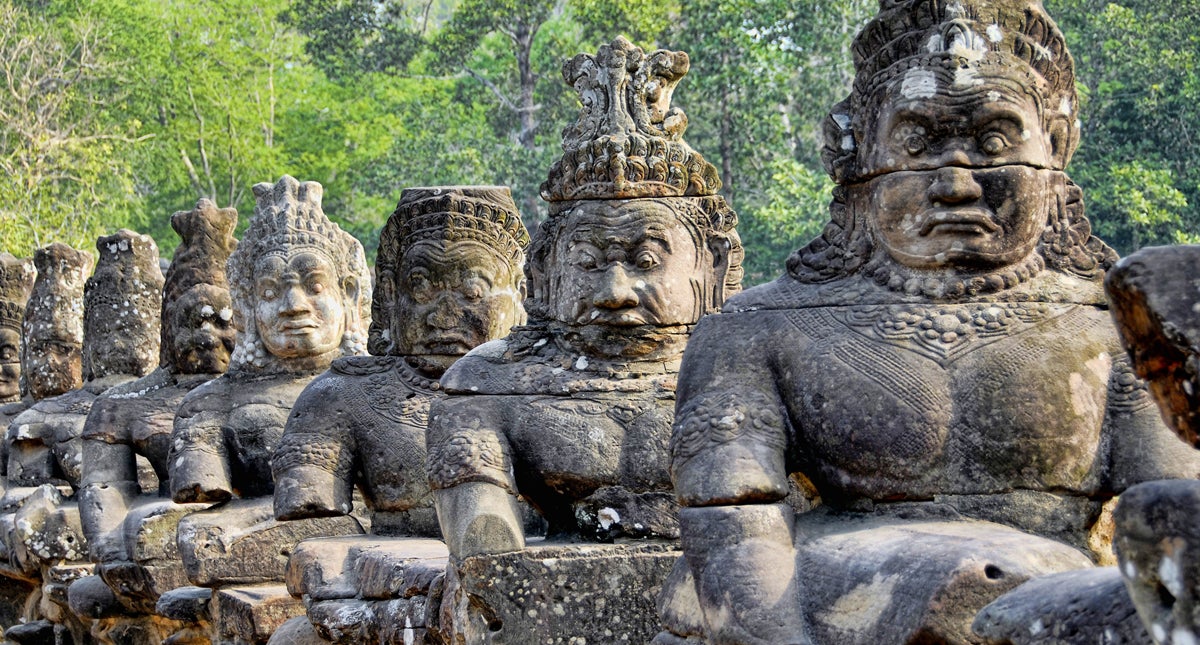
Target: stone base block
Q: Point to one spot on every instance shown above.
(240, 542)
(554, 594)
(1076, 607)
(248, 615)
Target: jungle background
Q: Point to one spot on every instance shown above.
(116, 113)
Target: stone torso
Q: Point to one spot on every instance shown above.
(588, 443)
(242, 418)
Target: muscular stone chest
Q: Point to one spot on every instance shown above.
(580, 443)
(905, 401)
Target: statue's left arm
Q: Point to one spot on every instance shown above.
(314, 463)
(109, 480)
(1142, 447)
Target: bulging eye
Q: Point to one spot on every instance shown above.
(268, 294)
(586, 261)
(994, 144)
(473, 289)
(646, 260)
(914, 144)
(316, 287)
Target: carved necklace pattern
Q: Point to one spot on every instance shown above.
(942, 333)
(406, 401)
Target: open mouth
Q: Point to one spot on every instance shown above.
(968, 222)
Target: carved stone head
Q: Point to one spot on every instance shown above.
(449, 275)
(197, 312)
(16, 280)
(949, 153)
(52, 354)
(122, 300)
(300, 284)
(637, 235)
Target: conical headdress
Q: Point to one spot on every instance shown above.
(206, 242)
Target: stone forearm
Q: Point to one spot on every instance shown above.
(479, 518)
(199, 465)
(744, 564)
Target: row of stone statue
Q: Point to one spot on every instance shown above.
(916, 435)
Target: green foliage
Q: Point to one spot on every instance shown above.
(1138, 72)
(63, 172)
(796, 209)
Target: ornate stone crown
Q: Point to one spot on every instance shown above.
(123, 297)
(16, 281)
(628, 140)
(1013, 39)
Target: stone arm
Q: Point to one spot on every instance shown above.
(313, 466)
(1143, 448)
(471, 475)
(199, 459)
(31, 459)
(728, 464)
(109, 481)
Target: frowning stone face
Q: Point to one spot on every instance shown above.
(625, 263)
(299, 310)
(202, 330)
(453, 296)
(959, 175)
(10, 364)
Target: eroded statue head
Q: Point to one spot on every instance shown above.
(637, 235)
(300, 284)
(449, 272)
(16, 281)
(121, 303)
(949, 154)
(52, 354)
(197, 312)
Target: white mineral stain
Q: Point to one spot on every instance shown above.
(607, 517)
(861, 608)
(1065, 106)
(1160, 633)
(994, 33)
(207, 310)
(1036, 628)
(919, 84)
(1168, 572)
(581, 363)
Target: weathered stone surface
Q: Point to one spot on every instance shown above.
(552, 594)
(1153, 294)
(241, 542)
(16, 282)
(296, 631)
(944, 343)
(247, 615)
(365, 566)
(1087, 606)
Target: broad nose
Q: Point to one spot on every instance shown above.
(295, 302)
(445, 314)
(954, 185)
(615, 290)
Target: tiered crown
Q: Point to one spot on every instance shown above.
(628, 140)
(1014, 39)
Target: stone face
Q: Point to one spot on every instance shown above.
(1087, 606)
(16, 281)
(944, 343)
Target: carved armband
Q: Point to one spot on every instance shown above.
(465, 457)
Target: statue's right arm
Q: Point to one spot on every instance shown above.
(198, 460)
(728, 464)
(313, 465)
(470, 472)
(109, 481)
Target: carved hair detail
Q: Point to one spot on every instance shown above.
(288, 219)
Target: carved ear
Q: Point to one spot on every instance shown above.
(1063, 139)
(351, 288)
(718, 247)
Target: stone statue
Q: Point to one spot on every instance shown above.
(120, 343)
(121, 303)
(52, 352)
(138, 560)
(937, 372)
(16, 281)
(300, 291)
(573, 411)
(449, 277)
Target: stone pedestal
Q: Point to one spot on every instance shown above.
(552, 594)
(249, 614)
